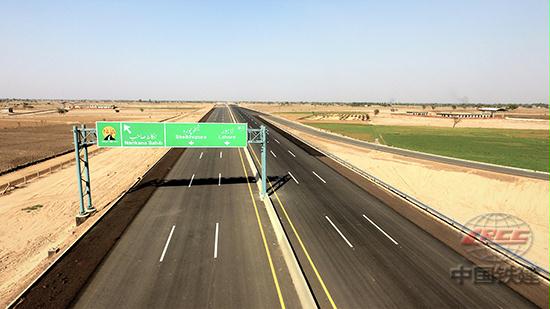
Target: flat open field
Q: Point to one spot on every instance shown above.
(534, 118)
(28, 135)
(517, 138)
(519, 148)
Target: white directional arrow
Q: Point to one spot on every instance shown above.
(191, 142)
(127, 128)
(226, 143)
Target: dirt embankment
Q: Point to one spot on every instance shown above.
(41, 215)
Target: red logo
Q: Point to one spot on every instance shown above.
(501, 236)
(505, 230)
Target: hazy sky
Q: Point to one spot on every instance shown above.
(422, 51)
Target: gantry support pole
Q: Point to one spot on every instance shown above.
(76, 138)
(264, 161)
(259, 136)
(81, 138)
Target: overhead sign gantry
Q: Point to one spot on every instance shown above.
(155, 135)
(172, 134)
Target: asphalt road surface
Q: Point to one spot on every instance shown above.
(412, 154)
(357, 252)
(196, 243)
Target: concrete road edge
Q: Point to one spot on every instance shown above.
(298, 279)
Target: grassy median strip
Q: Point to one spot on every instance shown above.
(527, 149)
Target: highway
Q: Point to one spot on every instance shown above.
(356, 251)
(202, 240)
(409, 153)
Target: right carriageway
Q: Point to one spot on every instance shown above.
(357, 252)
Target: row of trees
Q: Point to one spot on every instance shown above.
(424, 105)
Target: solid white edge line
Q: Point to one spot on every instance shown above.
(319, 177)
(219, 179)
(167, 243)
(192, 177)
(337, 230)
(273, 154)
(296, 181)
(381, 230)
(216, 240)
(291, 153)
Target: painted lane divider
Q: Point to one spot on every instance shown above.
(296, 181)
(318, 177)
(291, 153)
(277, 141)
(381, 230)
(191, 182)
(216, 240)
(337, 230)
(200, 157)
(167, 243)
(304, 249)
(273, 154)
(219, 179)
(221, 154)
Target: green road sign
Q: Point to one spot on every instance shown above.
(172, 134)
(206, 135)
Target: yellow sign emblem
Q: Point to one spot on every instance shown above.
(109, 133)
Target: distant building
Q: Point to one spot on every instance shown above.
(97, 106)
(464, 115)
(491, 109)
(415, 113)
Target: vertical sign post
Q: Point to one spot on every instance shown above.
(264, 160)
(259, 136)
(81, 137)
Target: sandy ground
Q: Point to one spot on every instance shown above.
(27, 234)
(34, 136)
(460, 193)
(396, 118)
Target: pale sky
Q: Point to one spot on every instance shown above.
(406, 51)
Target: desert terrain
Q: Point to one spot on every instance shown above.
(37, 130)
(40, 215)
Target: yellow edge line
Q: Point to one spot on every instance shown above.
(259, 221)
(263, 236)
(299, 239)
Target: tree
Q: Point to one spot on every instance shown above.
(454, 106)
(423, 106)
(456, 120)
(61, 111)
(433, 106)
(376, 112)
